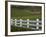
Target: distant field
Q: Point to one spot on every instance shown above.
(21, 12)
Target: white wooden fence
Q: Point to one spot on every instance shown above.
(27, 23)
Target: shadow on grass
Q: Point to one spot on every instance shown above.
(19, 29)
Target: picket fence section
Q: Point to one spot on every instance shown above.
(26, 23)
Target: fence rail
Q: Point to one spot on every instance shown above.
(27, 23)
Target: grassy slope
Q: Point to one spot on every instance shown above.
(26, 13)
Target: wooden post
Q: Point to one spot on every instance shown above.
(20, 22)
(15, 22)
(11, 21)
(37, 23)
(27, 23)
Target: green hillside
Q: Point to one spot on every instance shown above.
(25, 12)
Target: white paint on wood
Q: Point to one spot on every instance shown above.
(27, 23)
(20, 22)
(37, 23)
(15, 22)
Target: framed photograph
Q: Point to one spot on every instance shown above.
(25, 18)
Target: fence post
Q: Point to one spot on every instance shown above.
(11, 21)
(15, 22)
(27, 23)
(20, 22)
(37, 23)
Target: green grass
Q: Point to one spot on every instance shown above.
(17, 29)
(25, 13)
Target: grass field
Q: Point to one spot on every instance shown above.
(17, 29)
(25, 12)
(19, 12)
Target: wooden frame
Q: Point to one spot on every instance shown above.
(7, 17)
